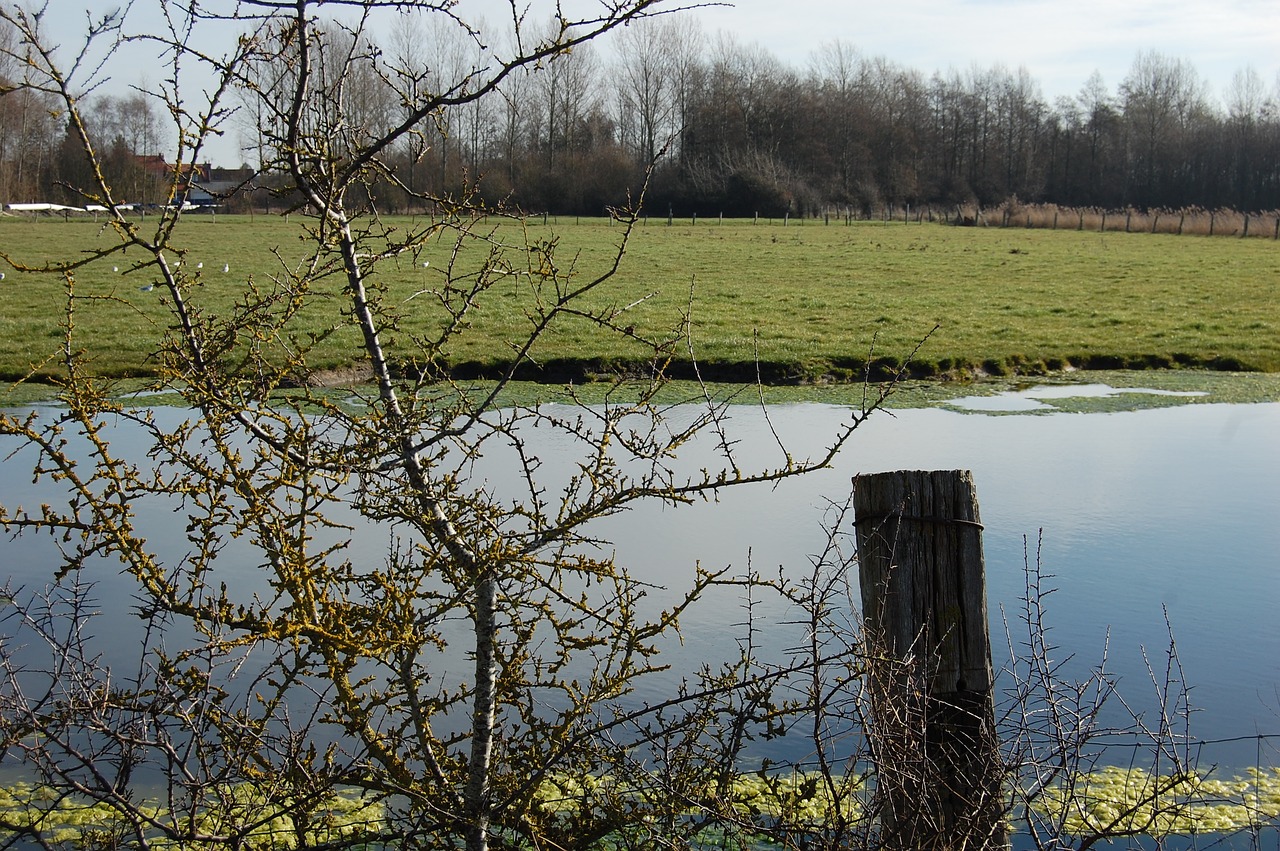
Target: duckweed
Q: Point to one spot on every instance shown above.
(1111, 801)
(1119, 800)
(262, 823)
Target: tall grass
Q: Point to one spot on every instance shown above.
(1184, 221)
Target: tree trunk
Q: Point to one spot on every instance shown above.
(933, 719)
(483, 709)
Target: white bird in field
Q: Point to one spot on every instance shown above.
(226, 267)
(148, 288)
(1, 276)
(200, 265)
(115, 268)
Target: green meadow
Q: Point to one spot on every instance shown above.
(795, 303)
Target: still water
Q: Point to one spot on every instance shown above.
(1136, 515)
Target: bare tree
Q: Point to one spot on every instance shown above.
(431, 56)
(450, 679)
(837, 69)
(564, 96)
(1247, 107)
(28, 125)
(1163, 99)
(478, 120)
(648, 118)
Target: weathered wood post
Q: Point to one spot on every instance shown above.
(929, 661)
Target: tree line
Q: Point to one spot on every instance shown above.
(720, 127)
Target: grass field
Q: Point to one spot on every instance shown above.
(805, 302)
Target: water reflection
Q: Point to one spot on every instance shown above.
(1139, 513)
(1031, 399)
(1134, 514)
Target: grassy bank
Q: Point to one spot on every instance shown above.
(802, 303)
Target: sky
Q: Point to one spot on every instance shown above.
(1060, 44)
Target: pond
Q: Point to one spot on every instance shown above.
(1137, 516)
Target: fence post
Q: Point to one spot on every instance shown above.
(939, 772)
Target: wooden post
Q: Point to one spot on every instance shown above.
(939, 773)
